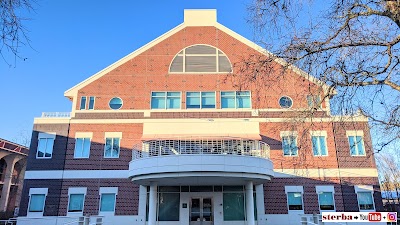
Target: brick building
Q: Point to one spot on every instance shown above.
(12, 168)
(171, 134)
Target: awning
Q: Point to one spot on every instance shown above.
(201, 129)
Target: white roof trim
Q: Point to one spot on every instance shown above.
(70, 92)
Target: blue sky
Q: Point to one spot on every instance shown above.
(72, 40)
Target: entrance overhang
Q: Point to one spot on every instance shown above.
(200, 170)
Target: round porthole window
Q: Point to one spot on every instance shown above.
(115, 103)
(285, 102)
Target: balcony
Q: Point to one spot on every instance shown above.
(56, 114)
(200, 161)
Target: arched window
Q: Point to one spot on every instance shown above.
(200, 59)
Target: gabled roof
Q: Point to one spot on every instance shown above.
(202, 17)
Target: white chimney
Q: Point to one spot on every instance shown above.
(200, 17)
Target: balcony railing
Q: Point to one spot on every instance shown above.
(56, 114)
(200, 146)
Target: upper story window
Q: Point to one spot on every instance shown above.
(200, 100)
(285, 102)
(289, 143)
(84, 105)
(115, 103)
(356, 142)
(165, 100)
(45, 145)
(314, 101)
(82, 144)
(318, 140)
(235, 99)
(200, 59)
(112, 145)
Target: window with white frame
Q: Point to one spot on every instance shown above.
(365, 197)
(91, 102)
(200, 100)
(76, 199)
(85, 104)
(326, 197)
(108, 197)
(289, 143)
(200, 59)
(356, 142)
(294, 198)
(165, 100)
(314, 101)
(318, 141)
(37, 200)
(82, 144)
(235, 99)
(112, 144)
(45, 145)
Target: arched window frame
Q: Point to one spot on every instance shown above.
(218, 53)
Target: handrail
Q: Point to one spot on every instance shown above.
(198, 146)
(56, 114)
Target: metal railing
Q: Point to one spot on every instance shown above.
(194, 146)
(56, 114)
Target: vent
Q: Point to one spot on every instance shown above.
(200, 59)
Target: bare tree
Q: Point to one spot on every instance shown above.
(351, 45)
(13, 34)
(389, 178)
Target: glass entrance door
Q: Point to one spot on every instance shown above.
(201, 211)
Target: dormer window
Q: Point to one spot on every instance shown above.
(200, 59)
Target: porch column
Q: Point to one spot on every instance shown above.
(142, 203)
(260, 203)
(249, 203)
(5, 192)
(152, 204)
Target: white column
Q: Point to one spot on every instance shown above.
(5, 192)
(249, 203)
(260, 204)
(142, 203)
(152, 204)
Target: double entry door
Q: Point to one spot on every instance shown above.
(201, 211)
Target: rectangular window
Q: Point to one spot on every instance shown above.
(82, 148)
(36, 203)
(111, 148)
(91, 102)
(356, 145)
(76, 202)
(365, 201)
(165, 100)
(319, 145)
(168, 207)
(107, 202)
(45, 147)
(326, 201)
(314, 101)
(200, 100)
(83, 103)
(235, 99)
(233, 206)
(289, 145)
(295, 201)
